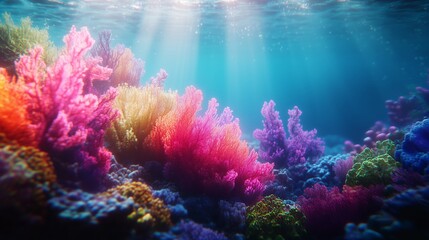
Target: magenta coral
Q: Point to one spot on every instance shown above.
(204, 154)
(327, 211)
(69, 121)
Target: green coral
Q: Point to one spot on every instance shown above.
(17, 40)
(373, 166)
(271, 219)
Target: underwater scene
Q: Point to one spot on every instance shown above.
(214, 119)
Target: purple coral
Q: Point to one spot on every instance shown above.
(299, 147)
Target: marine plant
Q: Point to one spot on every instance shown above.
(204, 154)
(372, 167)
(14, 118)
(328, 210)
(299, 147)
(139, 108)
(270, 218)
(69, 122)
(413, 152)
(17, 40)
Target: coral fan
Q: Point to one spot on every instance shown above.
(413, 153)
(271, 219)
(327, 211)
(69, 122)
(140, 108)
(26, 178)
(299, 147)
(14, 119)
(16, 40)
(126, 69)
(373, 167)
(205, 154)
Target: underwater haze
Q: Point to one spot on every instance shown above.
(337, 60)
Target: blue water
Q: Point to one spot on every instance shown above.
(337, 60)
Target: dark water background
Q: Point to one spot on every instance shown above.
(337, 60)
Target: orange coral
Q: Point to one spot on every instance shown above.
(14, 121)
(151, 212)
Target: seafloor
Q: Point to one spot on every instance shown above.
(87, 151)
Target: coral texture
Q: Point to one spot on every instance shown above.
(271, 219)
(140, 108)
(69, 122)
(205, 154)
(26, 179)
(372, 167)
(151, 212)
(413, 153)
(327, 211)
(14, 118)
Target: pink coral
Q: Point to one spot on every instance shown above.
(69, 121)
(205, 154)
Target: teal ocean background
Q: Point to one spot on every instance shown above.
(338, 61)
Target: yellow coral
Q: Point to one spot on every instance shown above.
(140, 107)
(151, 212)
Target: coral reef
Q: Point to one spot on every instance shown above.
(208, 151)
(413, 153)
(372, 167)
(270, 218)
(299, 147)
(69, 122)
(17, 40)
(327, 211)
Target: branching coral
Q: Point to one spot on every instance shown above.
(373, 167)
(14, 118)
(69, 121)
(270, 218)
(26, 178)
(204, 154)
(126, 68)
(299, 147)
(140, 108)
(16, 40)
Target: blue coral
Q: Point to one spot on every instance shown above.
(232, 215)
(322, 171)
(189, 230)
(174, 203)
(413, 153)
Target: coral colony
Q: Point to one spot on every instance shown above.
(88, 152)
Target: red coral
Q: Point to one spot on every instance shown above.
(327, 211)
(70, 122)
(205, 154)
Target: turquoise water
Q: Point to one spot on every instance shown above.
(337, 60)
